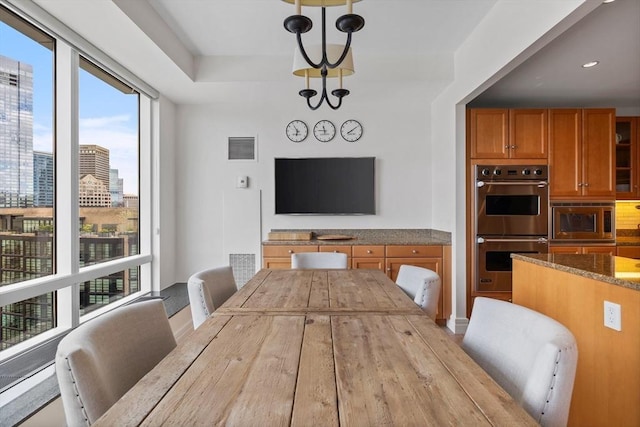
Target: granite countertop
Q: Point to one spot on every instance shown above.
(614, 270)
(371, 236)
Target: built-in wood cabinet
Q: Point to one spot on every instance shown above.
(608, 250)
(508, 133)
(628, 251)
(627, 158)
(582, 154)
(387, 258)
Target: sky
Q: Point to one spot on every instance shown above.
(108, 117)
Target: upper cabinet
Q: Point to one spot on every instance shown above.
(582, 154)
(627, 161)
(508, 134)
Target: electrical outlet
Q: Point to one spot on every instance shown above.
(612, 316)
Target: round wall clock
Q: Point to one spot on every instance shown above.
(324, 131)
(297, 130)
(351, 130)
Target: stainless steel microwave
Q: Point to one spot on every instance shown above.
(593, 221)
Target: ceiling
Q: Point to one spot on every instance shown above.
(554, 77)
(203, 47)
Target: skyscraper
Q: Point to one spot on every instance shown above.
(94, 160)
(43, 184)
(116, 186)
(16, 133)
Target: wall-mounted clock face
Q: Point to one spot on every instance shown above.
(351, 130)
(297, 130)
(324, 131)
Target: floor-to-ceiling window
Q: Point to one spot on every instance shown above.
(72, 188)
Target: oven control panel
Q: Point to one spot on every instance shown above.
(512, 172)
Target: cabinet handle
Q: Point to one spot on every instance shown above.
(414, 251)
(369, 251)
(513, 147)
(507, 147)
(580, 184)
(290, 251)
(388, 268)
(586, 184)
(335, 252)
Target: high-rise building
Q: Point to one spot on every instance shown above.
(16, 133)
(93, 192)
(94, 160)
(116, 188)
(43, 184)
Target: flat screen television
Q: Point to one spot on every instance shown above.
(325, 186)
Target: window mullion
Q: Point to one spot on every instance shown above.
(67, 149)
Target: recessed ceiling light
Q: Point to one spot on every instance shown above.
(590, 64)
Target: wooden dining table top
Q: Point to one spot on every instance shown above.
(317, 348)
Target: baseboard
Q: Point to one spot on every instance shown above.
(458, 324)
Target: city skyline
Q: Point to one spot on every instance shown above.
(107, 117)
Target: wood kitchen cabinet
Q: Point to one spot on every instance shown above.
(628, 251)
(582, 154)
(368, 257)
(387, 258)
(279, 256)
(508, 134)
(609, 250)
(627, 158)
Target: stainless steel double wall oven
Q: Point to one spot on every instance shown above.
(512, 206)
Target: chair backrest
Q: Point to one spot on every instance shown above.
(306, 260)
(208, 290)
(533, 357)
(99, 361)
(421, 284)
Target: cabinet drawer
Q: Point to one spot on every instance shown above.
(414, 251)
(287, 250)
(368, 251)
(343, 249)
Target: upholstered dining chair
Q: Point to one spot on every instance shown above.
(208, 290)
(307, 260)
(532, 356)
(421, 284)
(100, 360)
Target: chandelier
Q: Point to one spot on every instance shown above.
(335, 60)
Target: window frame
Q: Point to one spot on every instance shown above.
(68, 276)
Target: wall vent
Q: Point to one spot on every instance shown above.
(244, 267)
(242, 148)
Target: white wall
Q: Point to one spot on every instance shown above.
(396, 132)
(503, 39)
(164, 171)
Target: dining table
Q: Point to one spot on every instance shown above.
(317, 348)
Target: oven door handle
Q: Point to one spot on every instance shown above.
(541, 240)
(539, 184)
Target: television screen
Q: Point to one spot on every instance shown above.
(325, 185)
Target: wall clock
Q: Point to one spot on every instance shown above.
(297, 130)
(351, 130)
(324, 131)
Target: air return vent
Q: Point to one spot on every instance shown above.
(242, 148)
(244, 267)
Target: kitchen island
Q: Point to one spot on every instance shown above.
(573, 289)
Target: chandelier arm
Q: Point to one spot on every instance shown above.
(304, 53)
(344, 54)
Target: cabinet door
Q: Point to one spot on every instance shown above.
(488, 132)
(626, 158)
(393, 265)
(565, 147)
(368, 263)
(608, 250)
(598, 153)
(629, 251)
(276, 263)
(565, 250)
(528, 134)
